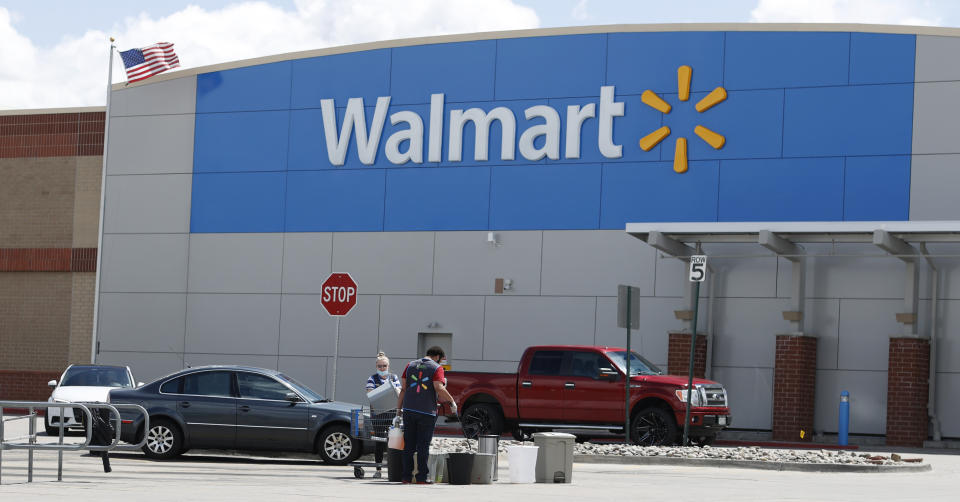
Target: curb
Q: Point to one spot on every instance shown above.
(747, 464)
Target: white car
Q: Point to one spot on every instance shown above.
(83, 383)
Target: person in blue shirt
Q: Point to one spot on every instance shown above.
(381, 377)
(421, 383)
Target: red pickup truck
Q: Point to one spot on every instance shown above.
(582, 388)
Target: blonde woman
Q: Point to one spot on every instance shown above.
(381, 377)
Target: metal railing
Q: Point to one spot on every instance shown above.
(31, 445)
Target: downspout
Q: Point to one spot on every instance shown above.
(932, 392)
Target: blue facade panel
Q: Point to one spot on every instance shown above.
(545, 197)
(817, 126)
(335, 201)
(764, 60)
(651, 191)
(364, 74)
(237, 202)
(437, 199)
(461, 71)
(262, 87)
(874, 188)
(640, 61)
(238, 142)
(541, 67)
(781, 190)
(877, 58)
(849, 120)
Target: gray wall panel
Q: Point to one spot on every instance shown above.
(873, 275)
(656, 322)
(386, 262)
(306, 261)
(235, 263)
(359, 330)
(305, 327)
(158, 203)
(151, 322)
(352, 374)
(948, 336)
(755, 276)
(746, 330)
(948, 406)
(749, 394)
(868, 400)
(933, 182)
(144, 263)
(154, 144)
(402, 318)
(514, 323)
(865, 329)
(671, 276)
(466, 264)
(935, 105)
(593, 263)
(932, 53)
(257, 361)
(146, 366)
(233, 324)
(159, 98)
(822, 319)
(310, 371)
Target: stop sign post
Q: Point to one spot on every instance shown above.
(338, 297)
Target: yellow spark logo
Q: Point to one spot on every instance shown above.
(654, 101)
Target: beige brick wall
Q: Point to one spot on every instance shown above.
(37, 201)
(35, 320)
(86, 209)
(81, 318)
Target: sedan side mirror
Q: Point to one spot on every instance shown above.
(292, 397)
(52, 384)
(608, 374)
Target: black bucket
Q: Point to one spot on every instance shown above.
(394, 465)
(460, 468)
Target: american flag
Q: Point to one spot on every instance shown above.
(149, 61)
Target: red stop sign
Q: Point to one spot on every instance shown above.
(339, 294)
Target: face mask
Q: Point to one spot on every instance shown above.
(383, 373)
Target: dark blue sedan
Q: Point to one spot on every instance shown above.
(237, 408)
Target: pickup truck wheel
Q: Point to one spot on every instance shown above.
(653, 427)
(480, 419)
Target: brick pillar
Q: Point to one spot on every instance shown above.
(794, 387)
(908, 375)
(678, 355)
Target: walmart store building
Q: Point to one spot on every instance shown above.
(478, 188)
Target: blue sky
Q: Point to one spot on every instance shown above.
(46, 43)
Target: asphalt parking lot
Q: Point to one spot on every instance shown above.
(205, 476)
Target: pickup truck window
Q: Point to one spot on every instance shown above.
(638, 365)
(586, 364)
(546, 362)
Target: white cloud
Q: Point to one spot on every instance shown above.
(579, 11)
(907, 12)
(73, 73)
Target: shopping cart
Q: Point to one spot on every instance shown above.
(367, 425)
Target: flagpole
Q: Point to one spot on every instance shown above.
(94, 348)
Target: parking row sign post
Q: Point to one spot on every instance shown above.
(698, 272)
(338, 297)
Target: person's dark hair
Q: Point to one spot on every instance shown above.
(436, 351)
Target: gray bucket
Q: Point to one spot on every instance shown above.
(490, 444)
(483, 465)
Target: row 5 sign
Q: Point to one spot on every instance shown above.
(698, 268)
(339, 294)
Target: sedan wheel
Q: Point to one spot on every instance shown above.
(336, 446)
(164, 439)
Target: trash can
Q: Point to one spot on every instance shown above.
(489, 443)
(394, 465)
(437, 465)
(522, 461)
(555, 457)
(482, 472)
(460, 467)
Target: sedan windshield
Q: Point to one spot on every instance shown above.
(638, 365)
(305, 391)
(96, 376)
